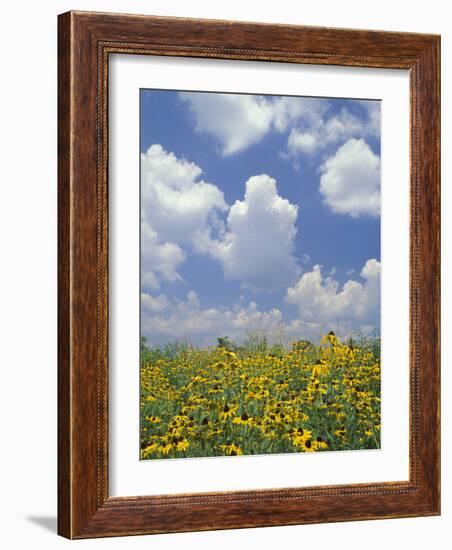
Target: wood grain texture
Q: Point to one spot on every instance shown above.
(64, 295)
(85, 42)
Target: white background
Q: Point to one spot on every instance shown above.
(28, 271)
(129, 476)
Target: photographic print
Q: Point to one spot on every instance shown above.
(260, 274)
(219, 317)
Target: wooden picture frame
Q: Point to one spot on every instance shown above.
(86, 40)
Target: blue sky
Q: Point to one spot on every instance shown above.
(259, 214)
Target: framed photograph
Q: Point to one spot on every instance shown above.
(249, 263)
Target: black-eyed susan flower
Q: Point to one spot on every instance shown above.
(304, 445)
(228, 411)
(190, 400)
(149, 449)
(153, 419)
(165, 448)
(320, 443)
(243, 419)
(231, 449)
(181, 445)
(341, 433)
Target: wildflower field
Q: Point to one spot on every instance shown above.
(244, 400)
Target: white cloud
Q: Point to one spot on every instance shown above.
(343, 126)
(320, 299)
(373, 113)
(176, 206)
(163, 320)
(350, 180)
(299, 142)
(254, 242)
(153, 304)
(159, 260)
(290, 110)
(250, 320)
(326, 131)
(321, 304)
(175, 202)
(236, 121)
(257, 246)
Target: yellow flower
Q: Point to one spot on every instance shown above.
(259, 394)
(165, 449)
(331, 339)
(305, 445)
(153, 419)
(341, 433)
(282, 385)
(300, 436)
(182, 445)
(319, 369)
(231, 449)
(194, 399)
(243, 419)
(149, 449)
(319, 443)
(228, 412)
(214, 433)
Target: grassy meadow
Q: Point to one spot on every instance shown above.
(260, 399)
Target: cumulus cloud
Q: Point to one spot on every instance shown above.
(165, 320)
(258, 243)
(153, 304)
(238, 121)
(159, 260)
(320, 299)
(321, 305)
(253, 239)
(175, 201)
(373, 117)
(176, 206)
(288, 111)
(302, 142)
(344, 125)
(325, 131)
(350, 180)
